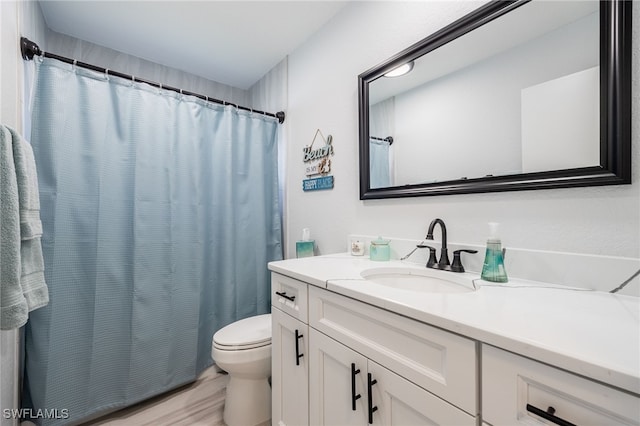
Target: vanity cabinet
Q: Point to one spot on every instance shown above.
(517, 390)
(340, 361)
(290, 344)
(374, 355)
(438, 361)
(371, 366)
(346, 388)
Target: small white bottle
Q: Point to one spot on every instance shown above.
(357, 248)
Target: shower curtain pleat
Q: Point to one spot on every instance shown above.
(382, 124)
(160, 213)
(379, 172)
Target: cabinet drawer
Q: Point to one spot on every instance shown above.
(289, 296)
(436, 360)
(511, 383)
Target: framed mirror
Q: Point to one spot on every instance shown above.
(514, 96)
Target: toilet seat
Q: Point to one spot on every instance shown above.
(248, 333)
(240, 347)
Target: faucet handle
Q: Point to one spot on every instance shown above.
(432, 255)
(456, 266)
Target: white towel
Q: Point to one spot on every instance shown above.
(22, 284)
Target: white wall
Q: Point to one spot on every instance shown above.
(562, 117)
(475, 111)
(323, 94)
(10, 66)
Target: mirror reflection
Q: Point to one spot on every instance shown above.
(518, 95)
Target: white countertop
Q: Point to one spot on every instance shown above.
(590, 333)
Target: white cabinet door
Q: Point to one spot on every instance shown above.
(337, 383)
(289, 370)
(398, 402)
(338, 374)
(434, 359)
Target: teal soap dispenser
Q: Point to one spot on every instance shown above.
(493, 268)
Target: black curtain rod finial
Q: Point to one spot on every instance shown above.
(29, 49)
(280, 116)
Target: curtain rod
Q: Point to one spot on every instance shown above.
(387, 139)
(29, 49)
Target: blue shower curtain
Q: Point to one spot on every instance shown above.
(379, 171)
(160, 213)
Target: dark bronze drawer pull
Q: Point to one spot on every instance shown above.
(298, 354)
(548, 415)
(372, 408)
(354, 397)
(284, 294)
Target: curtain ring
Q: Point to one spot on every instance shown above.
(75, 61)
(106, 73)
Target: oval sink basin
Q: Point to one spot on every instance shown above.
(419, 280)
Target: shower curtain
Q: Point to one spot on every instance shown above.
(381, 124)
(379, 172)
(160, 213)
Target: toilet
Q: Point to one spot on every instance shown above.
(243, 349)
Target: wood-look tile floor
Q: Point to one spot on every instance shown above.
(200, 403)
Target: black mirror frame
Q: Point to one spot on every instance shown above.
(615, 110)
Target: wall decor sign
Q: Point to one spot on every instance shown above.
(318, 163)
(325, 182)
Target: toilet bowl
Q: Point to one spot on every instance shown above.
(243, 349)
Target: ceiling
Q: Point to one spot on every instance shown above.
(231, 42)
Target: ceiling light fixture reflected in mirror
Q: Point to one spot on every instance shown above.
(401, 70)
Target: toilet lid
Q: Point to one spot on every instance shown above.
(247, 333)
